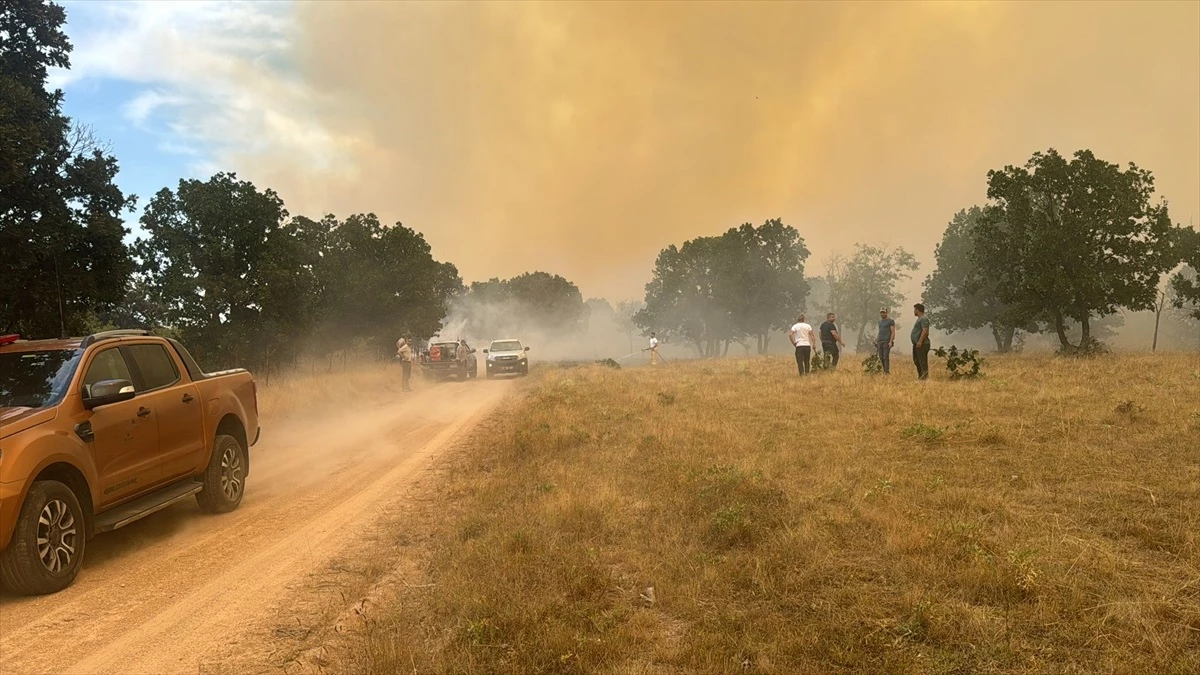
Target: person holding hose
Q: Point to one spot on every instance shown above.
(803, 339)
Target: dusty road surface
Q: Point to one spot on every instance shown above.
(181, 591)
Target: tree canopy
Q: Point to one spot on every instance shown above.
(957, 296)
(60, 211)
(1071, 240)
(866, 281)
(712, 291)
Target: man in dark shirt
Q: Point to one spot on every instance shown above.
(885, 340)
(831, 339)
(920, 340)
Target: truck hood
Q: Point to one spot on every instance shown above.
(509, 353)
(15, 420)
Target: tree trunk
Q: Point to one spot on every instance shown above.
(1157, 317)
(1061, 328)
(1004, 337)
(1087, 332)
(1159, 304)
(766, 343)
(726, 352)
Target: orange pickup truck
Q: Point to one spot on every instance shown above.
(97, 432)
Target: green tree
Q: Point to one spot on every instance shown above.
(545, 304)
(60, 212)
(713, 291)
(958, 297)
(230, 274)
(763, 282)
(684, 299)
(1185, 284)
(379, 283)
(1072, 240)
(864, 282)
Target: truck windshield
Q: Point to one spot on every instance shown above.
(506, 346)
(36, 379)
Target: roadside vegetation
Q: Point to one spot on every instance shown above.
(722, 516)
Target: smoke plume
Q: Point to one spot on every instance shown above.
(580, 138)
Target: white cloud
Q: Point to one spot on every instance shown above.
(214, 74)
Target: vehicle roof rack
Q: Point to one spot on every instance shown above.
(111, 334)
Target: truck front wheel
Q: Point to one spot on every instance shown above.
(225, 478)
(46, 551)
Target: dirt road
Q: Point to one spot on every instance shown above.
(181, 591)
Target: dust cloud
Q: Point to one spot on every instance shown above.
(580, 138)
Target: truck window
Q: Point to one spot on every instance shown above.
(157, 366)
(107, 365)
(36, 379)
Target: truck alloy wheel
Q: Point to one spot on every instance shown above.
(225, 478)
(46, 551)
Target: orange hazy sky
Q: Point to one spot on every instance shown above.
(581, 138)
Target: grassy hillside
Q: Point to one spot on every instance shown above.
(1044, 519)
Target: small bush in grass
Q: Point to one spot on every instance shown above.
(1129, 408)
(609, 363)
(962, 364)
(1086, 349)
(819, 362)
(666, 397)
(872, 365)
(924, 433)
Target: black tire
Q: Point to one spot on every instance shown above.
(225, 478)
(52, 509)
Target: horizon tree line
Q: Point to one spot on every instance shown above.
(1061, 244)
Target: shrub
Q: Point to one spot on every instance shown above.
(1087, 348)
(819, 362)
(923, 432)
(961, 364)
(609, 363)
(872, 365)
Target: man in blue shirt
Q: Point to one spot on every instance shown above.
(886, 340)
(920, 340)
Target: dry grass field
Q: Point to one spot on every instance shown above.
(1043, 519)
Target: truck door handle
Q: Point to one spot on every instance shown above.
(188, 398)
(142, 412)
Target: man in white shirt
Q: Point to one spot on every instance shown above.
(653, 350)
(404, 353)
(803, 339)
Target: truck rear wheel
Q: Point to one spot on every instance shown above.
(225, 478)
(46, 551)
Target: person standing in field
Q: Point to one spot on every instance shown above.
(886, 340)
(653, 350)
(404, 353)
(831, 339)
(920, 340)
(803, 339)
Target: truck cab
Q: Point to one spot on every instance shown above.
(508, 356)
(100, 431)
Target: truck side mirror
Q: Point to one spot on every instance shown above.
(527, 349)
(485, 351)
(107, 392)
